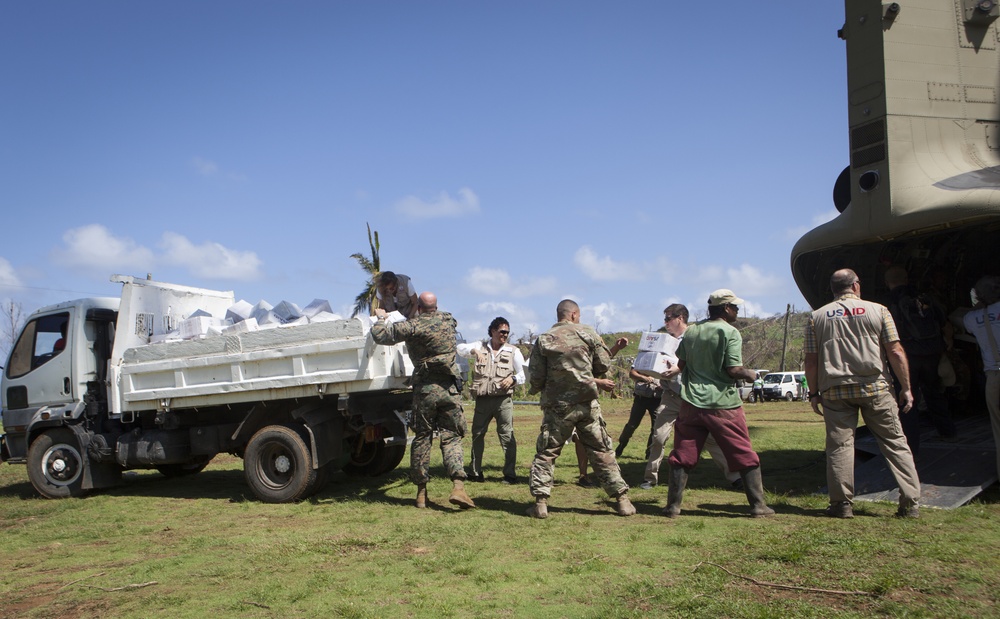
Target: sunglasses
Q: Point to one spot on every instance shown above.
(502, 332)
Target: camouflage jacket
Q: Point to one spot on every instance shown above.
(564, 362)
(430, 341)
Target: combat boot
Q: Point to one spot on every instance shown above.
(625, 507)
(421, 496)
(753, 485)
(540, 509)
(675, 493)
(458, 496)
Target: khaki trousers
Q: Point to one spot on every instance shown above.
(882, 418)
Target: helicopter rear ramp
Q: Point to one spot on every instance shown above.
(951, 472)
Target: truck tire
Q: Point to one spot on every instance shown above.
(372, 459)
(277, 465)
(393, 455)
(55, 464)
(183, 470)
(789, 396)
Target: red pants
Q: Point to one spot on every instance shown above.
(727, 426)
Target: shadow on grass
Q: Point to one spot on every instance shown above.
(21, 490)
(791, 472)
(223, 485)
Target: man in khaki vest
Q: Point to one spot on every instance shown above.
(497, 367)
(396, 293)
(846, 346)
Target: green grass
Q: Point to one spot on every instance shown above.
(359, 549)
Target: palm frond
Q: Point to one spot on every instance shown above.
(366, 301)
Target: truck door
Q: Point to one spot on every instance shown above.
(39, 372)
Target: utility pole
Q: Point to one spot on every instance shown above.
(784, 341)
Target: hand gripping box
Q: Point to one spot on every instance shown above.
(652, 363)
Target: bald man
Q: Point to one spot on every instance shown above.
(568, 366)
(846, 346)
(430, 340)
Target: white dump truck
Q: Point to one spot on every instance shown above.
(86, 396)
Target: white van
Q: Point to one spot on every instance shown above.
(782, 386)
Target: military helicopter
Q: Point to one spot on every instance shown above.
(922, 191)
(923, 186)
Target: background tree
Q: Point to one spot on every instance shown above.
(366, 301)
(12, 321)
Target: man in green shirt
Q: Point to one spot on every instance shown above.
(710, 360)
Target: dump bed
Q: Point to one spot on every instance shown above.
(324, 358)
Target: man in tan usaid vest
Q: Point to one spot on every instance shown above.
(846, 346)
(497, 367)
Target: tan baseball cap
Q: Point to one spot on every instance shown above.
(724, 296)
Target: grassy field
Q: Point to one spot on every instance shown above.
(201, 546)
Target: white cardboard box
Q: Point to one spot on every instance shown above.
(198, 326)
(657, 341)
(652, 363)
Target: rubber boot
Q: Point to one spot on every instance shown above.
(540, 509)
(753, 485)
(421, 496)
(625, 507)
(678, 480)
(458, 496)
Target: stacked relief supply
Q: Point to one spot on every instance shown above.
(657, 353)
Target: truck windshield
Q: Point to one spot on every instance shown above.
(772, 379)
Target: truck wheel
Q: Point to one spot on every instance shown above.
(277, 465)
(393, 456)
(55, 464)
(789, 396)
(371, 459)
(182, 470)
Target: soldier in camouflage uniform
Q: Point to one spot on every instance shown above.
(430, 340)
(565, 366)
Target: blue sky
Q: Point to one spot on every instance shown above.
(510, 154)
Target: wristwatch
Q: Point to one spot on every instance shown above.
(814, 394)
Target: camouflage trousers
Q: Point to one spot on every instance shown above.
(437, 406)
(558, 424)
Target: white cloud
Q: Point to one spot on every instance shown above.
(611, 317)
(205, 167)
(708, 274)
(208, 168)
(209, 260)
(444, 205)
(8, 276)
(488, 281)
(94, 248)
(747, 280)
(523, 320)
(499, 282)
(604, 268)
(665, 269)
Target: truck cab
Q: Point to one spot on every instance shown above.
(57, 370)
